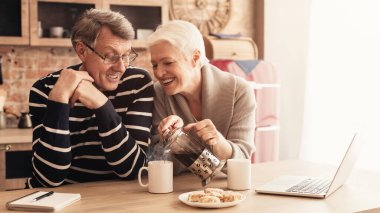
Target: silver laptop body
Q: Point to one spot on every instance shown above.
(314, 186)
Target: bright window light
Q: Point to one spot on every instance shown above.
(343, 81)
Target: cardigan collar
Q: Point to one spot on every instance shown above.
(217, 99)
(217, 96)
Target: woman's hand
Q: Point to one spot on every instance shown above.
(170, 122)
(206, 130)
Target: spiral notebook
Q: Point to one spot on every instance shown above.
(54, 202)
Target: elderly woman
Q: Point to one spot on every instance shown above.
(219, 107)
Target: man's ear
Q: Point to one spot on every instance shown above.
(196, 57)
(80, 49)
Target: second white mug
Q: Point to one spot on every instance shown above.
(160, 176)
(239, 174)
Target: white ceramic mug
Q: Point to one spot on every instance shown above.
(239, 174)
(56, 32)
(160, 176)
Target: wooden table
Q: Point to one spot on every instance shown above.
(361, 192)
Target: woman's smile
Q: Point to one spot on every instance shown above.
(167, 81)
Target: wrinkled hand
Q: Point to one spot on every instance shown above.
(88, 95)
(67, 83)
(206, 130)
(170, 122)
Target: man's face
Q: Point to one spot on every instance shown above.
(107, 75)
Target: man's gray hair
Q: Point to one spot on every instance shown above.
(88, 26)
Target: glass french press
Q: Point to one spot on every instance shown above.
(192, 153)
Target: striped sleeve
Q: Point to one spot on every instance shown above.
(124, 125)
(51, 137)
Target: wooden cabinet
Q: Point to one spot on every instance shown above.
(233, 48)
(24, 22)
(51, 13)
(15, 158)
(14, 22)
(143, 14)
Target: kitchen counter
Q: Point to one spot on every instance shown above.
(15, 135)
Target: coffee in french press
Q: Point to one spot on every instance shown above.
(192, 153)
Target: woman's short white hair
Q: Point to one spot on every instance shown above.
(183, 35)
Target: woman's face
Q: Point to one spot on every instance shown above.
(172, 69)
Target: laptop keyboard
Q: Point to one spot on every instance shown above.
(311, 186)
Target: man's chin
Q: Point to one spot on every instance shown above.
(109, 87)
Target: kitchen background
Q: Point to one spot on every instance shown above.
(23, 65)
(325, 51)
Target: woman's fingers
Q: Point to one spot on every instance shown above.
(206, 130)
(170, 122)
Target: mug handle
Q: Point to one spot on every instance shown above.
(139, 176)
(66, 34)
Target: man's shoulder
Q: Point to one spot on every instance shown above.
(131, 70)
(48, 80)
(136, 76)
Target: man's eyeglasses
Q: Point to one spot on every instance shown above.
(112, 59)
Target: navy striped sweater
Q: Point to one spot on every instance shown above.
(76, 144)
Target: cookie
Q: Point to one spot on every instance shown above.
(209, 199)
(230, 196)
(195, 196)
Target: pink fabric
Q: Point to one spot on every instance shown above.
(229, 66)
(267, 99)
(267, 146)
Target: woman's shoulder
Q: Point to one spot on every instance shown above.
(224, 76)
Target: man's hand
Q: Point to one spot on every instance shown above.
(67, 83)
(88, 95)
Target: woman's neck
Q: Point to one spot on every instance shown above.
(193, 96)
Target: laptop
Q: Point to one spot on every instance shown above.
(313, 186)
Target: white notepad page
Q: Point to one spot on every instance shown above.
(53, 202)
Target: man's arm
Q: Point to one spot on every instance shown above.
(51, 139)
(124, 126)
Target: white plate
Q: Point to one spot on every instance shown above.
(183, 197)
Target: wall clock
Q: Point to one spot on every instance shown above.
(208, 15)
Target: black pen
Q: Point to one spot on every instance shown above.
(43, 196)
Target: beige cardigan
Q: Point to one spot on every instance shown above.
(227, 100)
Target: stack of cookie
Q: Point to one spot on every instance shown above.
(214, 195)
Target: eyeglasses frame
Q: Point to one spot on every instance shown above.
(133, 52)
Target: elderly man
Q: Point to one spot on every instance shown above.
(92, 121)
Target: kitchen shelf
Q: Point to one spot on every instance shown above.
(56, 13)
(14, 22)
(19, 19)
(143, 14)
